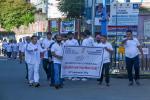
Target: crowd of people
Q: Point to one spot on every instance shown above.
(50, 52)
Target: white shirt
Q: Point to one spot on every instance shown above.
(34, 56)
(26, 53)
(46, 44)
(106, 55)
(9, 47)
(72, 42)
(15, 47)
(88, 42)
(20, 44)
(58, 49)
(131, 49)
(4, 45)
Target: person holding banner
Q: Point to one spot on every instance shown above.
(132, 48)
(71, 42)
(57, 54)
(87, 41)
(102, 42)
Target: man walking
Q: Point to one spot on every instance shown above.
(132, 48)
(47, 61)
(26, 54)
(57, 53)
(33, 61)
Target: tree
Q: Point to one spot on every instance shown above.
(72, 8)
(14, 13)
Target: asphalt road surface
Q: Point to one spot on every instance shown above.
(13, 86)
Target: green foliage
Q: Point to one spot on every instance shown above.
(72, 8)
(144, 10)
(14, 13)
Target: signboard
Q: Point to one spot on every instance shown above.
(121, 30)
(82, 62)
(67, 26)
(54, 26)
(98, 13)
(147, 28)
(123, 14)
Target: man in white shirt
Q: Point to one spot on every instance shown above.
(64, 38)
(26, 54)
(33, 61)
(9, 49)
(47, 61)
(132, 48)
(15, 49)
(4, 46)
(88, 41)
(71, 42)
(20, 44)
(102, 42)
(57, 54)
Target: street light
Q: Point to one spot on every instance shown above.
(93, 17)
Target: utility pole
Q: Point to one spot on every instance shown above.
(93, 17)
(104, 19)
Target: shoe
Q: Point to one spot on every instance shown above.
(37, 85)
(57, 87)
(107, 84)
(84, 79)
(98, 79)
(130, 83)
(100, 83)
(70, 78)
(51, 85)
(75, 79)
(137, 82)
(31, 84)
(60, 86)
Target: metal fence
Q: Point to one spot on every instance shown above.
(118, 60)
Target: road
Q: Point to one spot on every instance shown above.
(13, 86)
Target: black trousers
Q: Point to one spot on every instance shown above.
(9, 54)
(26, 71)
(47, 66)
(130, 63)
(106, 67)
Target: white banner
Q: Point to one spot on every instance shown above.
(82, 62)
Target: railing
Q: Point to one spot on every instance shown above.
(118, 65)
